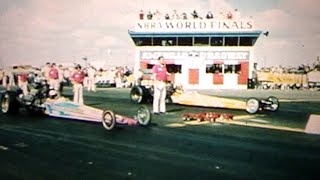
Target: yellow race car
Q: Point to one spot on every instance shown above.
(252, 105)
(140, 94)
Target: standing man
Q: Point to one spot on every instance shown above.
(66, 75)
(54, 81)
(91, 71)
(138, 74)
(77, 79)
(61, 78)
(8, 78)
(45, 71)
(119, 77)
(160, 77)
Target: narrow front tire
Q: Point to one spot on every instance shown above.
(274, 103)
(143, 116)
(108, 120)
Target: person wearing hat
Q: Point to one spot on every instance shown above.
(77, 80)
(160, 74)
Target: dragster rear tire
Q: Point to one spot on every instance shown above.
(140, 94)
(108, 120)
(252, 105)
(9, 104)
(143, 116)
(136, 94)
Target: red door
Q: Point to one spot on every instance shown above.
(243, 73)
(217, 78)
(193, 76)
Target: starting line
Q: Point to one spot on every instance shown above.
(312, 127)
(259, 125)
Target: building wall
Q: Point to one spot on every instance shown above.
(193, 61)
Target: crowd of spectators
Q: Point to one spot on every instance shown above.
(157, 15)
(279, 77)
(301, 69)
(103, 77)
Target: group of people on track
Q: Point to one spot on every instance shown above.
(56, 77)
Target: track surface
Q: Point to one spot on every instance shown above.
(50, 148)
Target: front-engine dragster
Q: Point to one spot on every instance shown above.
(45, 100)
(252, 105)
(177, 95)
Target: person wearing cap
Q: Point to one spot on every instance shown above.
(160, 74)
(77, 80)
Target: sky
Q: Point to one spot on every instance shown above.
(38, 31)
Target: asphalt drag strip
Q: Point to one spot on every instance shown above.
(240, 120)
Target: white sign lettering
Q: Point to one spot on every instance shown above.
(193, 25)
(205, 55)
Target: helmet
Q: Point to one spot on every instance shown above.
(52, 94)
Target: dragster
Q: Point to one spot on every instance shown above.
(45, 101)
(64, 108)
(139, 94)
(252, 105)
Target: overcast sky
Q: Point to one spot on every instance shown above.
(37, 31)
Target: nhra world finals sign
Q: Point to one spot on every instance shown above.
(193, 25)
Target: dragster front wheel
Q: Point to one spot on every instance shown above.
(108, 120)
(252, 105)
(274, 103)
(143, 116)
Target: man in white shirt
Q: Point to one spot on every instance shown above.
(91, 79)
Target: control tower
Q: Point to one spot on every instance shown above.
(200, 53)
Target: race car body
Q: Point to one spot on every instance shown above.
(64, 108)
(252, 105)
(193, 98)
